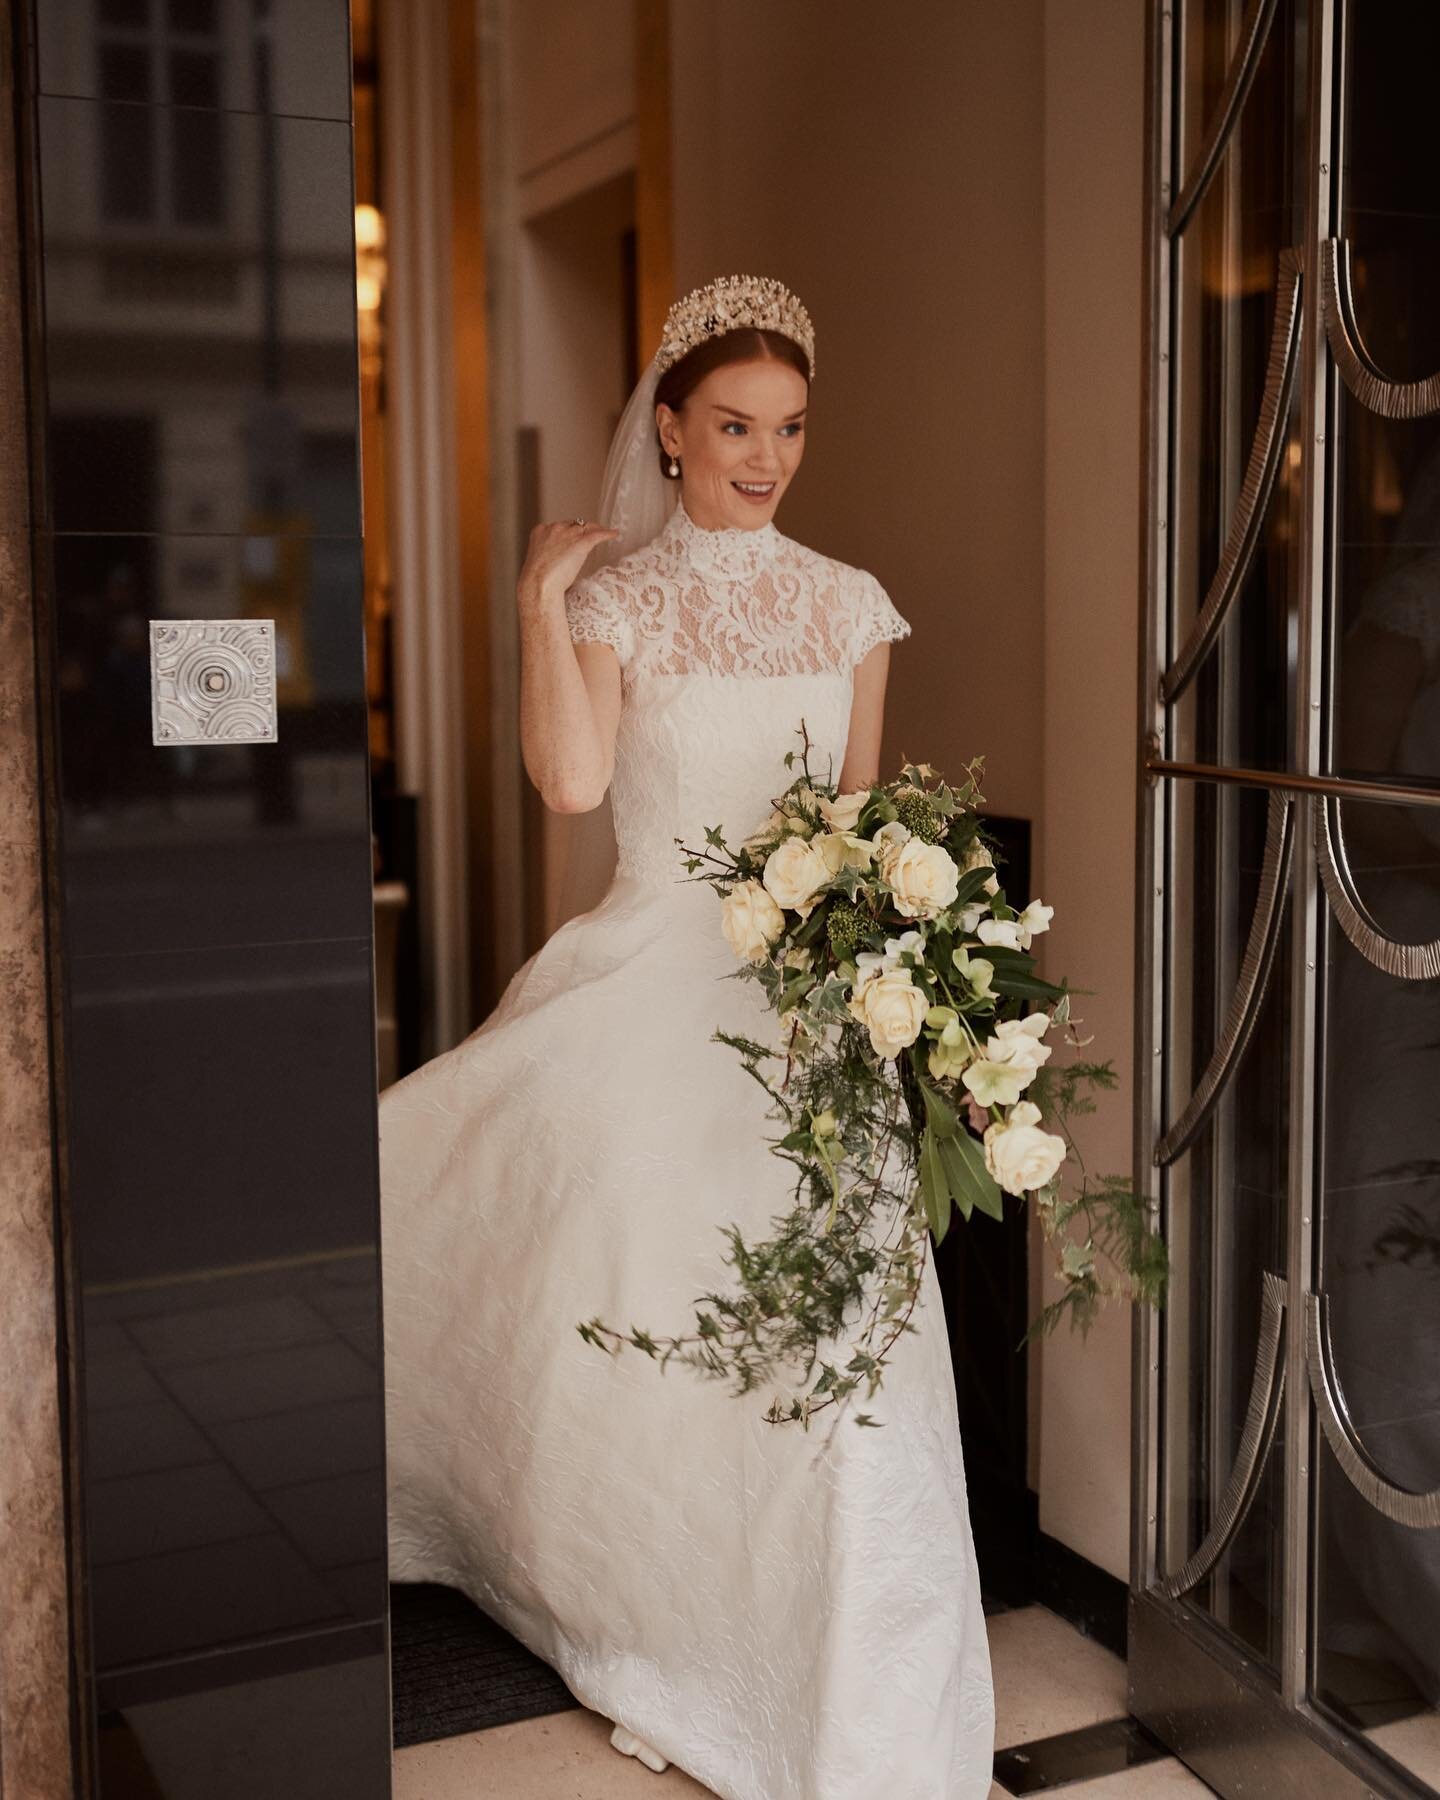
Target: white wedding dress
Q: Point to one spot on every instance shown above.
(784, 1616)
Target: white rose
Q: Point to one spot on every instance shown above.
(923, 876)
(892, 1007)
(843, 812)
(751, 921)
(1018, 1154)
(794, 873)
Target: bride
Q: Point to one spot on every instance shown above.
(784, 1615)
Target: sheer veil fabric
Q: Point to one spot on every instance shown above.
(636, 499)
(785, 1616)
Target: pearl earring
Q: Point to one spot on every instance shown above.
(674, 466)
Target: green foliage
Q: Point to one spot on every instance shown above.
(883, 1146)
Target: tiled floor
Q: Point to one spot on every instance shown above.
(1048, 1678)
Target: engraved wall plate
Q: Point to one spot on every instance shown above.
(212, 681)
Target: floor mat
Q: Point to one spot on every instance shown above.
(453, 1670)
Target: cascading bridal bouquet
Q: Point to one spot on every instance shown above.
(914, 1078)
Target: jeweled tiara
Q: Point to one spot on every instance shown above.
(734, 303)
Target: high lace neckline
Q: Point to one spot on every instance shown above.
(725, 549)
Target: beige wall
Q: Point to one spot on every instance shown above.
(892, 176)
(957, 200)
(1094, 129)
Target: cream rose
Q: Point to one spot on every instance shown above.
(923, 876)
(843, 812)
(795, 872)
(751, 921)
(892, 1007)
(1018, 1154)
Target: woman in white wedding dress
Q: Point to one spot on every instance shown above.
(786, 1616)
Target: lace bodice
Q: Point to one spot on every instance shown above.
(731, 602)
(727, 640)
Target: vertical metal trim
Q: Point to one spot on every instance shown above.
(1309, 695)
(1151, 794)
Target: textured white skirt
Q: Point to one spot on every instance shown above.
(786, 1616)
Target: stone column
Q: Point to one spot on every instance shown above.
(35, 1754)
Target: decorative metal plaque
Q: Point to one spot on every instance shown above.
(212, 681)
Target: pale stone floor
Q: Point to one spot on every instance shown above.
(1048, 1678)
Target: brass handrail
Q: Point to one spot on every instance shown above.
(1337, 785)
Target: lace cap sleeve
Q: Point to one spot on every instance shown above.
(595, 614)
(877, 620)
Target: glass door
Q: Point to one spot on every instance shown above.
(1285, 1601)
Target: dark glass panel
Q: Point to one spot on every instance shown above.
(157, 834)
(1225, 1208)
(1387, 606)
(201, 16)
(222, 1175)
(1238, 709)
(1377, 1593)
(124, 71)
(233, 340)
(293, 57)
(194, 78)
(198, 165)
(126, 175)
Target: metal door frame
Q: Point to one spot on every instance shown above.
(1201, 1690)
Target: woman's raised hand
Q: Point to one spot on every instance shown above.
(557, 552)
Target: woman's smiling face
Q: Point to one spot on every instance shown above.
(739, 438)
